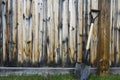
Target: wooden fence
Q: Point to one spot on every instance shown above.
(54, 32)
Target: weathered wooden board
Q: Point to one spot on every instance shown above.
(104, 37)
(44, 30)
(50, 31)
(56, 30)
(1, 39)
(20, 32)
(94, 41)
(14, 17)
(65, 22)
(118, 32)
(79, 32)
(111, 13)
(113, 32)
(60, 29)
(40, 31)
(72, 30)
(4, 29)
(35, 30)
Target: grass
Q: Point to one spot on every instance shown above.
(107, 77)
(39, 77)
(57, 77)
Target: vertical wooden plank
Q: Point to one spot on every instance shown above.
(104, 37)
(26, 32)
(115, 34)
(29, 42)
(35, 9)
(34, 21)
(111, 13)
(118, 32)
(14, 30)
(20, 31)
(84, 23)
(112, 35)
(49, 53)
(8, 53)
(44, 22)
(24, 29)
(65, 31)
(79, 33)
(95, 32)
(60, 28)
(40, 18)
(49, 28)
(1, 37)
(4, 28)
(87, 27)
(56, 30)
(72, 29)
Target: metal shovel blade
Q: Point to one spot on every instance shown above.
(82, 71)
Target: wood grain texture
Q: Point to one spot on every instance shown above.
(65, 31)
(55, 32)
(104, 37)
(1, 37)
(35, 30)
(118, 32)
(72, 29)
(14, 31)
(94, 41)
(50, 31)
(40, 31)
(79, 31)
(4, 29)
(20, 32)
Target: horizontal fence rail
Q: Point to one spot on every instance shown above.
(39, 33)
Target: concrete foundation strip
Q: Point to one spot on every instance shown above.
(4, 71)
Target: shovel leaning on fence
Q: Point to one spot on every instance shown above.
(83, 69)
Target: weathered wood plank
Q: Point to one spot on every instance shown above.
(20, 31)
(115, 31)
(40, 30)
(34, 14)
(65, 31)
(87, 28)
(60, 29)
(1, 37)
(24, 30)
(14, 30)
(44, 28)
(111, 13)
(112, 35)
(35, 24)
(72, 30)
(95, 32)
(85, 24)
(30, 37)
(79, 32)
(104, 37)
(50, 34)
(56, 30)
(4, 29)
(8, 24)
(26, 24)
(118, 32)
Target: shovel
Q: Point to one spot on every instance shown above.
(83, 69)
